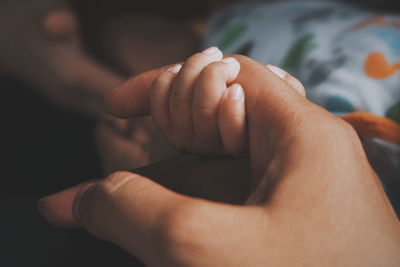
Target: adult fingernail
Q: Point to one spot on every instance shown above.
(235, 91)
(175, 69)
(229, 60)
(278, 71)
(211, 50)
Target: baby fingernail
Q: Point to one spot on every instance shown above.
(235, 91)
(175, 69)
(229, 60)
(211, 50)
(278, 71)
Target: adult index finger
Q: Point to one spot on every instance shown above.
(132, 98)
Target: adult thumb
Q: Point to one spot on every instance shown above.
(160, 227)
(127, 209)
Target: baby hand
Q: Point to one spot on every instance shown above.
(197, 107)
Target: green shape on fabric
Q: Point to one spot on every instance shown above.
(297, 51)
(234, 32)
(232, 35)
(393, 112)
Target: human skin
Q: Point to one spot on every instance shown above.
(313, 198)
(40, 43)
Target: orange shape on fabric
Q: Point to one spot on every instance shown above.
(376, 66)
(375, 20)
(370, 125)
(379, 21)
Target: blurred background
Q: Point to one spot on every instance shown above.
(52, 54)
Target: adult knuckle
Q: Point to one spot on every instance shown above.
(99, 201)
(115, 182)
(347, 131)
(339, 130)
(87, 208)
(338, 126)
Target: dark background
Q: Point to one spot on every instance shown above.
(45, 149)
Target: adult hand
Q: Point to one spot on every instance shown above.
(314, 199)
(40, 43)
